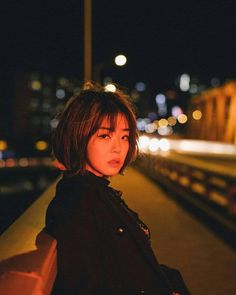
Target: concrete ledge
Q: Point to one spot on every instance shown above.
(27, 254)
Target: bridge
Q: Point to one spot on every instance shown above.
(184, 190)
(187, 200)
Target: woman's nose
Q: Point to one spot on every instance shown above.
(116, 147)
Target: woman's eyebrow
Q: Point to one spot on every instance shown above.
(111, 129)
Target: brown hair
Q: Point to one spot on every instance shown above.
(82, 117)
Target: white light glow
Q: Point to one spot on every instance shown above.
(160, 99)
(150, 128)
(186, 146)
(60, 93)
(120, 60)
(182, 118)
(176, 111)
(164, 144)
(143, 142)
(153, 144)
(165, 130)
(184, 82)
(110, 88)
(54, 123)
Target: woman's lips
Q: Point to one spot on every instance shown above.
(114, 163)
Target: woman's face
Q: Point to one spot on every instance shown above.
(107, 149)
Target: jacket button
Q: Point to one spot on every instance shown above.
(120, 230)
(141, 292)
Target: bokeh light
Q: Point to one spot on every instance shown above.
(41, 145)
(36, 85)
(120, 60)
(182, 118)
(197, 115)
(110, 88)
(153, 144)
(164, 144)
(3, 145)
(143, 142)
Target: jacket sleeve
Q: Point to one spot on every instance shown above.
(175, 279)
(80, 266)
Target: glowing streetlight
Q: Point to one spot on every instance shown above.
(120, 60)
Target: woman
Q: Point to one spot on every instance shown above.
(103, 246)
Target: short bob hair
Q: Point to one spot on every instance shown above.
(82, 117)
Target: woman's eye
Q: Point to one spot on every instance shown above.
(104, 136)
(125, 137)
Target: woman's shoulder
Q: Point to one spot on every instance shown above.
(69, 191)
(71, 200)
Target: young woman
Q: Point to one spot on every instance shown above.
(103, 246)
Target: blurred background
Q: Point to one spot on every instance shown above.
(176, 60)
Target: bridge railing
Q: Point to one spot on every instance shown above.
(207, 186)
(27, 254)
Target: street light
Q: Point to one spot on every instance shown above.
(119, 60)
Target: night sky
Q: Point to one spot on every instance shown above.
(161, 39)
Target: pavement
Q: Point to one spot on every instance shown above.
(207, 264)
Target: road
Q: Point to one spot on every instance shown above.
(207, 264)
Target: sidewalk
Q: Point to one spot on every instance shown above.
(206, 263)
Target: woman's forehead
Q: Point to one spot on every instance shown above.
(119, 121)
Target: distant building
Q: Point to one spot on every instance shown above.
(38, 97)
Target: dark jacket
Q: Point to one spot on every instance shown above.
(102, 248)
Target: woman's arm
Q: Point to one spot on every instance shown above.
(80, 267)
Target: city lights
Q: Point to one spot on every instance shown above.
(54, 123)
(120, 60)
(172, 121)
(160, 99)
(161, 104)
(153, 145)
(110, 88)
(164, 144)
(150, 128)
(143, 142)
(23, 162)
(41, 145)
(140, 86)
(3, 145)
(147, 143)
(165, 130)
(184, 83)
(36, 85)
(197, 115)
(182, 118)
(163, 122)
(176, 111)
(60, 93)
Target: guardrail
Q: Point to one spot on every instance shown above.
(208, 186)
(27, 254)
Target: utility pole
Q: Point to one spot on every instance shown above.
(87, 40)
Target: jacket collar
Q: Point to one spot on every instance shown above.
(88, 178)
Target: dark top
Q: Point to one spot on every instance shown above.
(103, 246)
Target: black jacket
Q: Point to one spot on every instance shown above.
(102, 247)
